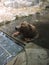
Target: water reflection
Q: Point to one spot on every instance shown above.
(8, 48)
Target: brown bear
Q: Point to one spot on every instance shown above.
(27, 30)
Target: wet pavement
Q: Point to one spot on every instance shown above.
(38, 50)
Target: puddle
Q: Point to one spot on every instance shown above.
(8, 48)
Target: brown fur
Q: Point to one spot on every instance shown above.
(27, 30)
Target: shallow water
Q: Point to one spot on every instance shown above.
(8, 48)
